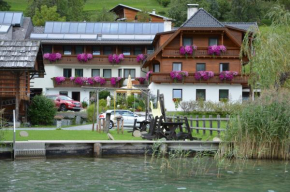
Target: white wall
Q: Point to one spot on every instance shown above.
(189, 92)
(52, 70)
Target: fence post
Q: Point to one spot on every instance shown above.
(197, 124)
(228, 117)
(203, 124)
(210, 124)
(191, 123)
(218, 124)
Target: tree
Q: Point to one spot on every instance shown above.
(75, 10)
(143, 16)
(41, 111)
(46, 14)
(246, 10)
(4, 6)
(104, 15)
(267, 49)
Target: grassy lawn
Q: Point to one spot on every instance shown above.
(83, 135)
(92, 5)
(67, 135)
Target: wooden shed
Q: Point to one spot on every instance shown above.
(19, 62)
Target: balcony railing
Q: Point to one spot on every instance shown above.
(97, 60)
(201, 52)
(69, 83)
(165, 78)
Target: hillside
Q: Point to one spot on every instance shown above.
(91, 5)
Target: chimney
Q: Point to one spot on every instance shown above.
(153, 12)
(167, 25)
(191, 9)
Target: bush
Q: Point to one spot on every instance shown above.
(104, 95)
(41, 111)
(260, 129)
(84, 104)
(130, 101)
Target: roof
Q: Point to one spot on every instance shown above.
(102, 42)
(12, 18)
(18, 54)
(202, 19)
(241, 25)
(119, 6)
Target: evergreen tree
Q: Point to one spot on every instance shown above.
(104, 15)
(46, 14)
(4, 6)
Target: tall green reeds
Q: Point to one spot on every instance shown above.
(260, 129)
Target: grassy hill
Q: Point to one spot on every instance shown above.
(92, 5)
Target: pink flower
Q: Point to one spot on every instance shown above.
(148, 74)
(222, 48)
(205, 75)
(141, 80)
(115, 58)
(188, 49)
(227, 75)
(79, 80)
(90, 81)
(121, 57)
(59, 80)
(216, 49)
(46, 56)
(178, 75)
(72, 78)
(89, 56)
(182, 50)
(58, 56)
(99, 80)
(140, 58)
(83, 57)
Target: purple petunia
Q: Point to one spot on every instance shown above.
(187, 50)
(59, 80)
(216, 49)
(148, 74)
(115, 80)
(99, 80)
(227, 75)
(84, 57)
(140, 58)
(141, 79)
(115, 58)
(205, 75)
(178, 75)
(52, 57)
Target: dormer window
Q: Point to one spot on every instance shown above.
(186, 41)
(213, 41)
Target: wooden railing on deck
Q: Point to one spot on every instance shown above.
(69, 83)
(165, 78)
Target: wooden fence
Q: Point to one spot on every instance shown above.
(204, 124)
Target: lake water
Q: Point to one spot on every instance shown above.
(139, 174)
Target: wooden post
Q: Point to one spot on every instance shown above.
(191, 123)
(122, 126)
(104, 124)
(97, 150)
(210, 124)
(108, 119)
(197, 124)
(203, 124)
(17, 82)
(118, 124)
(218, 123)
(99, 125)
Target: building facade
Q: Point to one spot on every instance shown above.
(200, 60)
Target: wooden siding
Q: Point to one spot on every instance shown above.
(190, 64)
(156, 19)
(8, 85)
(130, 14)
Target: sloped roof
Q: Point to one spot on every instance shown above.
(18, 54)
(241, 25)
(139, 10)
(202, 19)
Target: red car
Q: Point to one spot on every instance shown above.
(64, 103)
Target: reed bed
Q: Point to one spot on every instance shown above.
(260, 130)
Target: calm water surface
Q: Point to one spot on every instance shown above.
(138, 174)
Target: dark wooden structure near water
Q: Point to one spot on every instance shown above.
(19, 62)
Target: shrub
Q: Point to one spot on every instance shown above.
(130, 101)
(41, 111)
(102, 108)
(84, 104)
(260, 129)
(104, 94)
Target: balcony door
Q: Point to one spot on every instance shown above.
(76, 96)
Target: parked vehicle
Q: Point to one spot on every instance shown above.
(127, 115)
(64, 103)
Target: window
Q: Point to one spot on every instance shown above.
(224, 67)
(177, 94)
(200, 67)
(67, 73)
(186, 41)
(156, 68)
(79, 49)
(137, 50)
(107, 50)
(150, 49)
(79, 72)
(213, 41)
(63, 93)
(176, 67)
(96, 50)
(119, 72)
(47, 49)
(126, 51)
(95, 72)
(67, 50)
(107, 73)
(223, 94)
(200, 94)
(128, 72)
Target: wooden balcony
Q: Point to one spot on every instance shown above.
(165, 78)
(69, 83)
(97, 60)
(201, 52)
